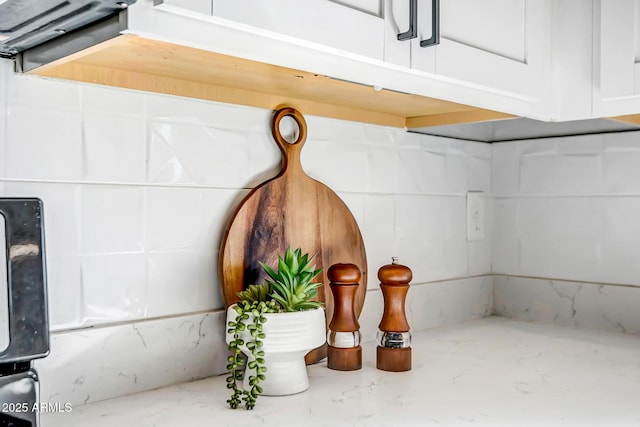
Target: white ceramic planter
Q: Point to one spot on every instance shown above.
(289, 337)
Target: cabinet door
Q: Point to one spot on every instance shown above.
(502, 45)
(355, 26)
(617, 57)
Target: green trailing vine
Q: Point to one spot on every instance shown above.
(290, 289)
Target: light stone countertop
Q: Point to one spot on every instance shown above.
(489, 372)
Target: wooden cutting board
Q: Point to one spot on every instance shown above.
(294, 210)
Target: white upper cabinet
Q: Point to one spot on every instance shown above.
(355, 26)
(492, 54)
(500, 45)
(616, 57)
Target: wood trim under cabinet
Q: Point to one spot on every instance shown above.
(133, 62)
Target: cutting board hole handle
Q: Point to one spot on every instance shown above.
(277, 132)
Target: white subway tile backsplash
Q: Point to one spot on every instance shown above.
(172, 219)
(174, 283)
(575, 257)
(421, 172)
(114, 149)
(43, 144)
(561, 174)
(409, 216)
(379, 135)
(566, 217)
(193, 112)
(60, 211)
(340, 165)
(333, 129)
(35, 92)
(104, 100)
(379, 217)
(620, 261)
(64, 289)
(114, 287)
(382, 167)
(149, 183)
(505, 170)
(111, 218)
(621, 174)
(581, 144)
(197, 155)
(621, 219)
(479, 172)
(457, 174)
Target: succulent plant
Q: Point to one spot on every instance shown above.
(291, 288)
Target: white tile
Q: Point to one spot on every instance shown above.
(94, 364)
(408, 216)
(572, 258)
(433, 211)
(550, 218)
(380, 135)
(479, 257)
(410, 140)
(505, 256)
(621, 174)
(64, 292)
(43, 144)
(61, 213)
(114, 287)
(114, 149)
(421, 172)
(504, 218)
(621, 141)
(43, 93)
(378, 233)
(566, 174)
(174, 283)
(620, 261)
(382, 174)
(505, 236)
(112, 101)
(172, 218)
(538, 147)
(194, 112)
(478, 149)
(379, 217)
(581, 144)
(621, 218)
(191, 154)
(265, 158)
(417, 254)
(112, 219)
(218, 207)
(479, 174)
(323, 128)
(457, 173)
(341, 166)
(505, 168)
(437, 144)
(356, 205)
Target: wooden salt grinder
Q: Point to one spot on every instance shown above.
(344, 352)
(394, 339)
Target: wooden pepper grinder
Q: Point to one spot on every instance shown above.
(394, 339)
(343, 351)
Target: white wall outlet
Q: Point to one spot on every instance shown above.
(475, 215)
